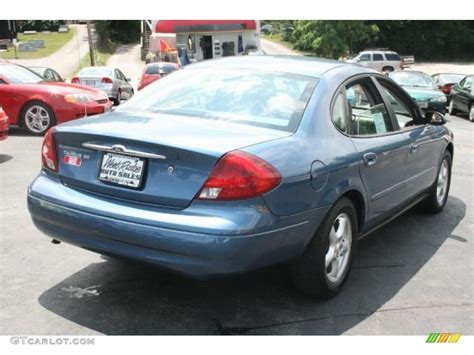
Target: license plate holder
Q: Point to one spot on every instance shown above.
(122, 170)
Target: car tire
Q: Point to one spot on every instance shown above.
(471, 113)
(387, 69)
(37, 117)
(118, 99)
(451, 110)
(322, 269)
(439, 192)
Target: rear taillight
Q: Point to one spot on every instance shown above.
(48, 152)
(75, 80)
(239, 175)
(107, 80)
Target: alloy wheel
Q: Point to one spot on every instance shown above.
(37, 119)
(340, 240)
(442, 183)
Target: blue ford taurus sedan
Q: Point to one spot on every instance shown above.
(235, 164)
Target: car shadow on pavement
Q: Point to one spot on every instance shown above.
(120, 298)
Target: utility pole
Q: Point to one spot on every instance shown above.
(91, 44)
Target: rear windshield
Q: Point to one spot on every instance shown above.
(418, 80)
(266, 99)
(156, 69)
(392, 57)
(16, 74)
(95, 71)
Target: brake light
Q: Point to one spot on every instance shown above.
(107, 80)
(75, 80)
(48, 152)
(239, 175)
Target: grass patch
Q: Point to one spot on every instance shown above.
(52, 42)
(102, 52)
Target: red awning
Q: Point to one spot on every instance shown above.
(188, 26)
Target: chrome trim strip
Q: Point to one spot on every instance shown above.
(120, 149)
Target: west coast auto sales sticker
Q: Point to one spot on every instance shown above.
(122, 170)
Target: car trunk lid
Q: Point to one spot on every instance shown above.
(163, 160)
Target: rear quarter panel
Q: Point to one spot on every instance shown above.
(318, 164)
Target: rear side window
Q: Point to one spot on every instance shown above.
(339, 112)
(392, 57)
(378, 57)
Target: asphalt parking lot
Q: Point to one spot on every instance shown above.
(414, 276)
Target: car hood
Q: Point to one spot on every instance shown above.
(420, 94)
(194, 134)
(67, 88)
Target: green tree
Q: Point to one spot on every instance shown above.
(331, 39)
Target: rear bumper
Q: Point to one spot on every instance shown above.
(193, 241)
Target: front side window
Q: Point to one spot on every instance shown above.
(403, 113)
(253, 97)
(364, 57)
(368, 114)
(467, 83)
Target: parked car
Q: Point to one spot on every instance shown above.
(110, 80)
(239, 163)
(422, 89)
(380, 59)
(155, 71)
(3, 125)
(36, 105)
(48, 74)
(462, 98)
(445, 81)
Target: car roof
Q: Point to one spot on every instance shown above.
(300, 65)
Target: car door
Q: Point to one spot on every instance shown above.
(365, 59)
(426, 141)
(464, 93)
(378, 61)
(382, 150)
(124, 85)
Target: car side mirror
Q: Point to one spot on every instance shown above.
(435, 118)
(129, 79)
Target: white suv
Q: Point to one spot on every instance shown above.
(381, 60)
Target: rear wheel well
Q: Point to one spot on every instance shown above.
(359, 204)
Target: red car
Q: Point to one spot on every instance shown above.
(36, 105)
(3, 125)
(155, 71)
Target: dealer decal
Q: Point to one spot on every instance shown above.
(74, 158)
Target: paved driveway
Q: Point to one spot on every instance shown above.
(127, 59)
(413, 276)
(67, 59)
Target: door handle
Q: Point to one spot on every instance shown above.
(370, 159)
(414, 148)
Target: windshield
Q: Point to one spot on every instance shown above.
(451, 78)
(419, 80)
(16, 74)
(96, 71)
(155, 69)
(267, 99)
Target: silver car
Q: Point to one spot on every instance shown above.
(110, 80)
